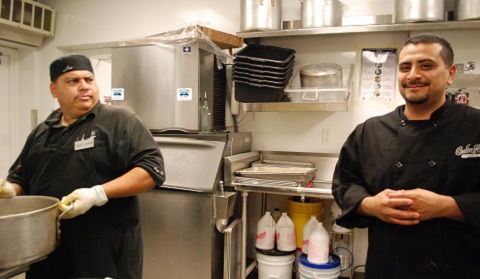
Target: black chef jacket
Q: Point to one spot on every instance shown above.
(100, 146)
(441, 155)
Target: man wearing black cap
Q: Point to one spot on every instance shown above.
(97, 158)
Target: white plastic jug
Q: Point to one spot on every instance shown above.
(285, 230)
(318, 245)
(307, 229)
(265, 239)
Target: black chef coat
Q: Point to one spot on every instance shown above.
(441, 155)
(105, 241)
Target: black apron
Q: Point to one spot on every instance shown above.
(100, 243)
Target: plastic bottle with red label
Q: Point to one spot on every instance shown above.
(307, 229)
(265, 239)
(285, 232)
(318, 245)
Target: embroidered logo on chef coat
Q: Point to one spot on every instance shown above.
(85, 143)
(468, 151)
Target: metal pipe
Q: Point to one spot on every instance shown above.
(243, 261)
(251, 267)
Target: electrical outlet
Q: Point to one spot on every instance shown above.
(327, 135)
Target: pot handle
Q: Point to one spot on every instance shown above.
(60, 217)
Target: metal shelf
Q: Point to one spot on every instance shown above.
(319, 189)
(295, 107)
(426, 26)
(342, 105)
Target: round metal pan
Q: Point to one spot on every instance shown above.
(29, 229)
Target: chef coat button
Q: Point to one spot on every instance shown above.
(399, 165)
(432, 164)
(403, 123)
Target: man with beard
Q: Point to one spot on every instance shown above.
(412, 176)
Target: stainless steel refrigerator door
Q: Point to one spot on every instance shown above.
(180, 238)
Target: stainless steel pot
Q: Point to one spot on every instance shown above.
(29, 229)
(419, 10)
(320, 13)
(467, 9)
(260, 15)
(323, 75)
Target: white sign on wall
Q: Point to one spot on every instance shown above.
(378, 78)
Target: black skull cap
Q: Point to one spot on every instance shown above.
(68, 63)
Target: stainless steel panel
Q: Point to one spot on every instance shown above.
(233, 250)
(238, 162)
(239, 143)
(190, 163)
(180, 238)
(187, 77)
(146, 75)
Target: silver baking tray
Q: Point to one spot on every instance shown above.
(284, 173)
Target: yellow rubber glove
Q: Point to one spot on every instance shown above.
(6, 189)
(83, 199)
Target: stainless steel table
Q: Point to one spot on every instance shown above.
(319, 189)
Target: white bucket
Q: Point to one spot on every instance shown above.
(278, 267)
(330, 270)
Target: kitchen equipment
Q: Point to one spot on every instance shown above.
(262, 72)
(165, 85)
(466, 9)
(183, 223)
(284, 173)
(320, 13)
(299, 94)
(260, 15)
(419, 10)
(30, 229)
(265, 56)
(233, 243)
(321, 75)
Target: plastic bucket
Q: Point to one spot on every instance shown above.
(278, 267)
(300, 213)
(330, 270)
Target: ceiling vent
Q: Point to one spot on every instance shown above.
(26, 22)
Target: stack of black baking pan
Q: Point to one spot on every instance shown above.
(261, 73)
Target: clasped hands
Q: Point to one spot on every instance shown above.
(406, 207)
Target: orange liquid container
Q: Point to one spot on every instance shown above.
(300, 213)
